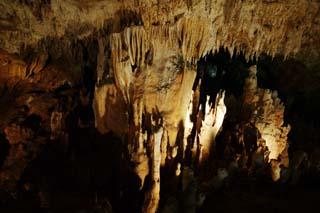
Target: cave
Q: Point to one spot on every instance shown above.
(159, 106)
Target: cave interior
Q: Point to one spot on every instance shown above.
(123, 106)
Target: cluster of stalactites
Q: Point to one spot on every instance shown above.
(239, 26)
(197, 26)
(198, 36)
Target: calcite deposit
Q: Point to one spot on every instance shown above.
(266, 113)
(145, 82)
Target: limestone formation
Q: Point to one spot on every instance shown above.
(266, 112)
(126, 76)
(254, 26)
(211, 125)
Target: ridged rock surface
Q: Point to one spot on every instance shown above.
(142, 60)
(197, 26)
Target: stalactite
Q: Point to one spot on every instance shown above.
(258, 26)
(211, 125)
(139, 156)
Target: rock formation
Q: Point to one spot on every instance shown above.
(255, 26)
(130, 69)
(267, 113)
(212, 122)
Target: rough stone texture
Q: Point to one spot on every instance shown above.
(200, 26)
(266, 113)
(145, 55)
(27, 102)
(211, 125)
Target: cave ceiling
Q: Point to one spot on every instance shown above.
(196, 27)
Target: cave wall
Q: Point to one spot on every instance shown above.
(135, 63)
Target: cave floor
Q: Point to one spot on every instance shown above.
(266, 197)
(72, 190)
(240, 197)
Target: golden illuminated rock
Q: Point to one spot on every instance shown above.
(200, 26)
(266, 113)
(211, 125)
(129, 69)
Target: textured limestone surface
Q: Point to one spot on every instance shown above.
(130, 68)
(198, 26)
(267, 113)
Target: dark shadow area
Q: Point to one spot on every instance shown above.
(4, 149)
(95, 168)
(244, 195)
(299, 89)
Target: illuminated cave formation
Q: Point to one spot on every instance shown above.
(159, 106)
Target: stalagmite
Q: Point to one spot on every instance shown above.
(141, 160)
(266, 112)
(207, 133)
(153, 196)
(220, 112)
(211, 125)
